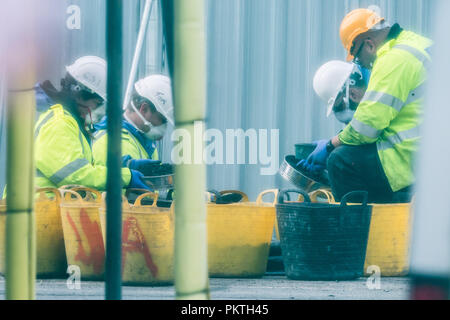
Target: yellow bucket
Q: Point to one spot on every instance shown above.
(82, 232)
(147, 242)
(50, 252)
(239, 237)
(389, 239)
(388, 247)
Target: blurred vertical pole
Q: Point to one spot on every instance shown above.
(430, 247)
(184, 24)
(113, 274)
(31, 37)
(20, 221)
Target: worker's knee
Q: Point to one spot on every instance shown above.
(335, 161)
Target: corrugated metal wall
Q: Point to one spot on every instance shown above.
(262, 55)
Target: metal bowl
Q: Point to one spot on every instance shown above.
(300, 179)
(160, 182)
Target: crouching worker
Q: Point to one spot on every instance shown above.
(63, 139)
(342, 86)
(145, 122)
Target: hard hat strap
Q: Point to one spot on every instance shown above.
(146, 123)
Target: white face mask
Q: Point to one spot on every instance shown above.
(96, 116)
(155, 132)
(345, 116)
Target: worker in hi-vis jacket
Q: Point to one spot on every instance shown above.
(63, 133)
(375, 152)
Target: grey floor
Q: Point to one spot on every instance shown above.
(267, 288)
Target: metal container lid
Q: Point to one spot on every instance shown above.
(291, 173)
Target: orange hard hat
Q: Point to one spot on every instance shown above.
(357, 22)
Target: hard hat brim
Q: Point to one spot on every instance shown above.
(330, 109)
(350, 58)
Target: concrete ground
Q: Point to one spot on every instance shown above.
(270, 287)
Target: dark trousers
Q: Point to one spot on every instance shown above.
(358, 168)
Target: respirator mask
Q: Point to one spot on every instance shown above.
(155, 132)
(95, 115)
(346, 108)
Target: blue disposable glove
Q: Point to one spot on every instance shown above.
(125, 160)
(317, 161)
(314, 170)
(136, 181)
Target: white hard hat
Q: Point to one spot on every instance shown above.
(90, 71)
(158, 89)
(330, 80)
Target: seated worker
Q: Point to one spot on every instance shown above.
(145, 121)
(63, 141)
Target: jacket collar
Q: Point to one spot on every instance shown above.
(392, 38)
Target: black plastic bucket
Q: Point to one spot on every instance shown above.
(323, 242)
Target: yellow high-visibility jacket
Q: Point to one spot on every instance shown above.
(63, 153)
(130, 147)
(390, 113)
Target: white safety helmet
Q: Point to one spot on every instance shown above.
(330, 80)
(158, 90)
(90, 71)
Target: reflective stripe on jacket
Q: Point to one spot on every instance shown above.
(130, 147)
(63, 154)
(390, 113)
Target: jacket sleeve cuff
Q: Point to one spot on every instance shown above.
(351, 137)
(126, 177)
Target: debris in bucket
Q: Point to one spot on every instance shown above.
(158, 169)
(226, 198)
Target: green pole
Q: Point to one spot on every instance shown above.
(20, 222)
(185, 37)
(113, 274)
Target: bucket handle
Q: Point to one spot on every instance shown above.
(138, 201)
(90, 193)
(43, 191)
(326, 193)
(125, 204)
(68, 194)
(275, 192)
(363, 194)
(244, 196)
(285, 192)
(70, 186)
(141, 191)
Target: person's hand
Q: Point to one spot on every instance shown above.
(313, 169)
(317, 161)
(137, 181)
(145, 166)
